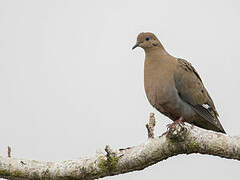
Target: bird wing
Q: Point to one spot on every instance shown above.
(191, 90)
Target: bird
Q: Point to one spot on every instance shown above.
(174, 87)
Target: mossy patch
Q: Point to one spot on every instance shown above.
(6, 173)
(109, 164)
(174, 146)
(193, 146)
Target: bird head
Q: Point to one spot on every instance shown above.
(146, 41)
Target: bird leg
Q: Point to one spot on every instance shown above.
(179, 121)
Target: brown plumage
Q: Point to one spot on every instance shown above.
(174, 87)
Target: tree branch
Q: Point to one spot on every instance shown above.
(180, 139)
(150, 126)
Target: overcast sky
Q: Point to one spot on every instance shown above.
(70, 83)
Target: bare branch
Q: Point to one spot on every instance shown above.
(150, 126)
(180, 139)
(9, 151)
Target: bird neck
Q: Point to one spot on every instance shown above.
(155, 52)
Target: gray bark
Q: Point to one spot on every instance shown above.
(180, 139)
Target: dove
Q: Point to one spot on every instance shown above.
(174, 87)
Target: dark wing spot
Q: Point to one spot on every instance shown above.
(188, 67)
(179, 94)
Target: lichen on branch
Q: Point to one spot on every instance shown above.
(180, 139)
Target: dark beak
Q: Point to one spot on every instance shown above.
(136, 45)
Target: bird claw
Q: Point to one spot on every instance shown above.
(179, 121)
(169, 126)
(165, 133)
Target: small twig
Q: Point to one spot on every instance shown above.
(109, 151)
(112, 159)
(22, 163)
(150, 126)
(9, 151)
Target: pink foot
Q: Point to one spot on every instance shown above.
(179, 121)
(165, 133)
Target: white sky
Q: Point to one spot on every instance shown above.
(70, 83)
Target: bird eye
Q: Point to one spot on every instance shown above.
(147, 38)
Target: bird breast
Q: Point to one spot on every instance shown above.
(158, 84)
